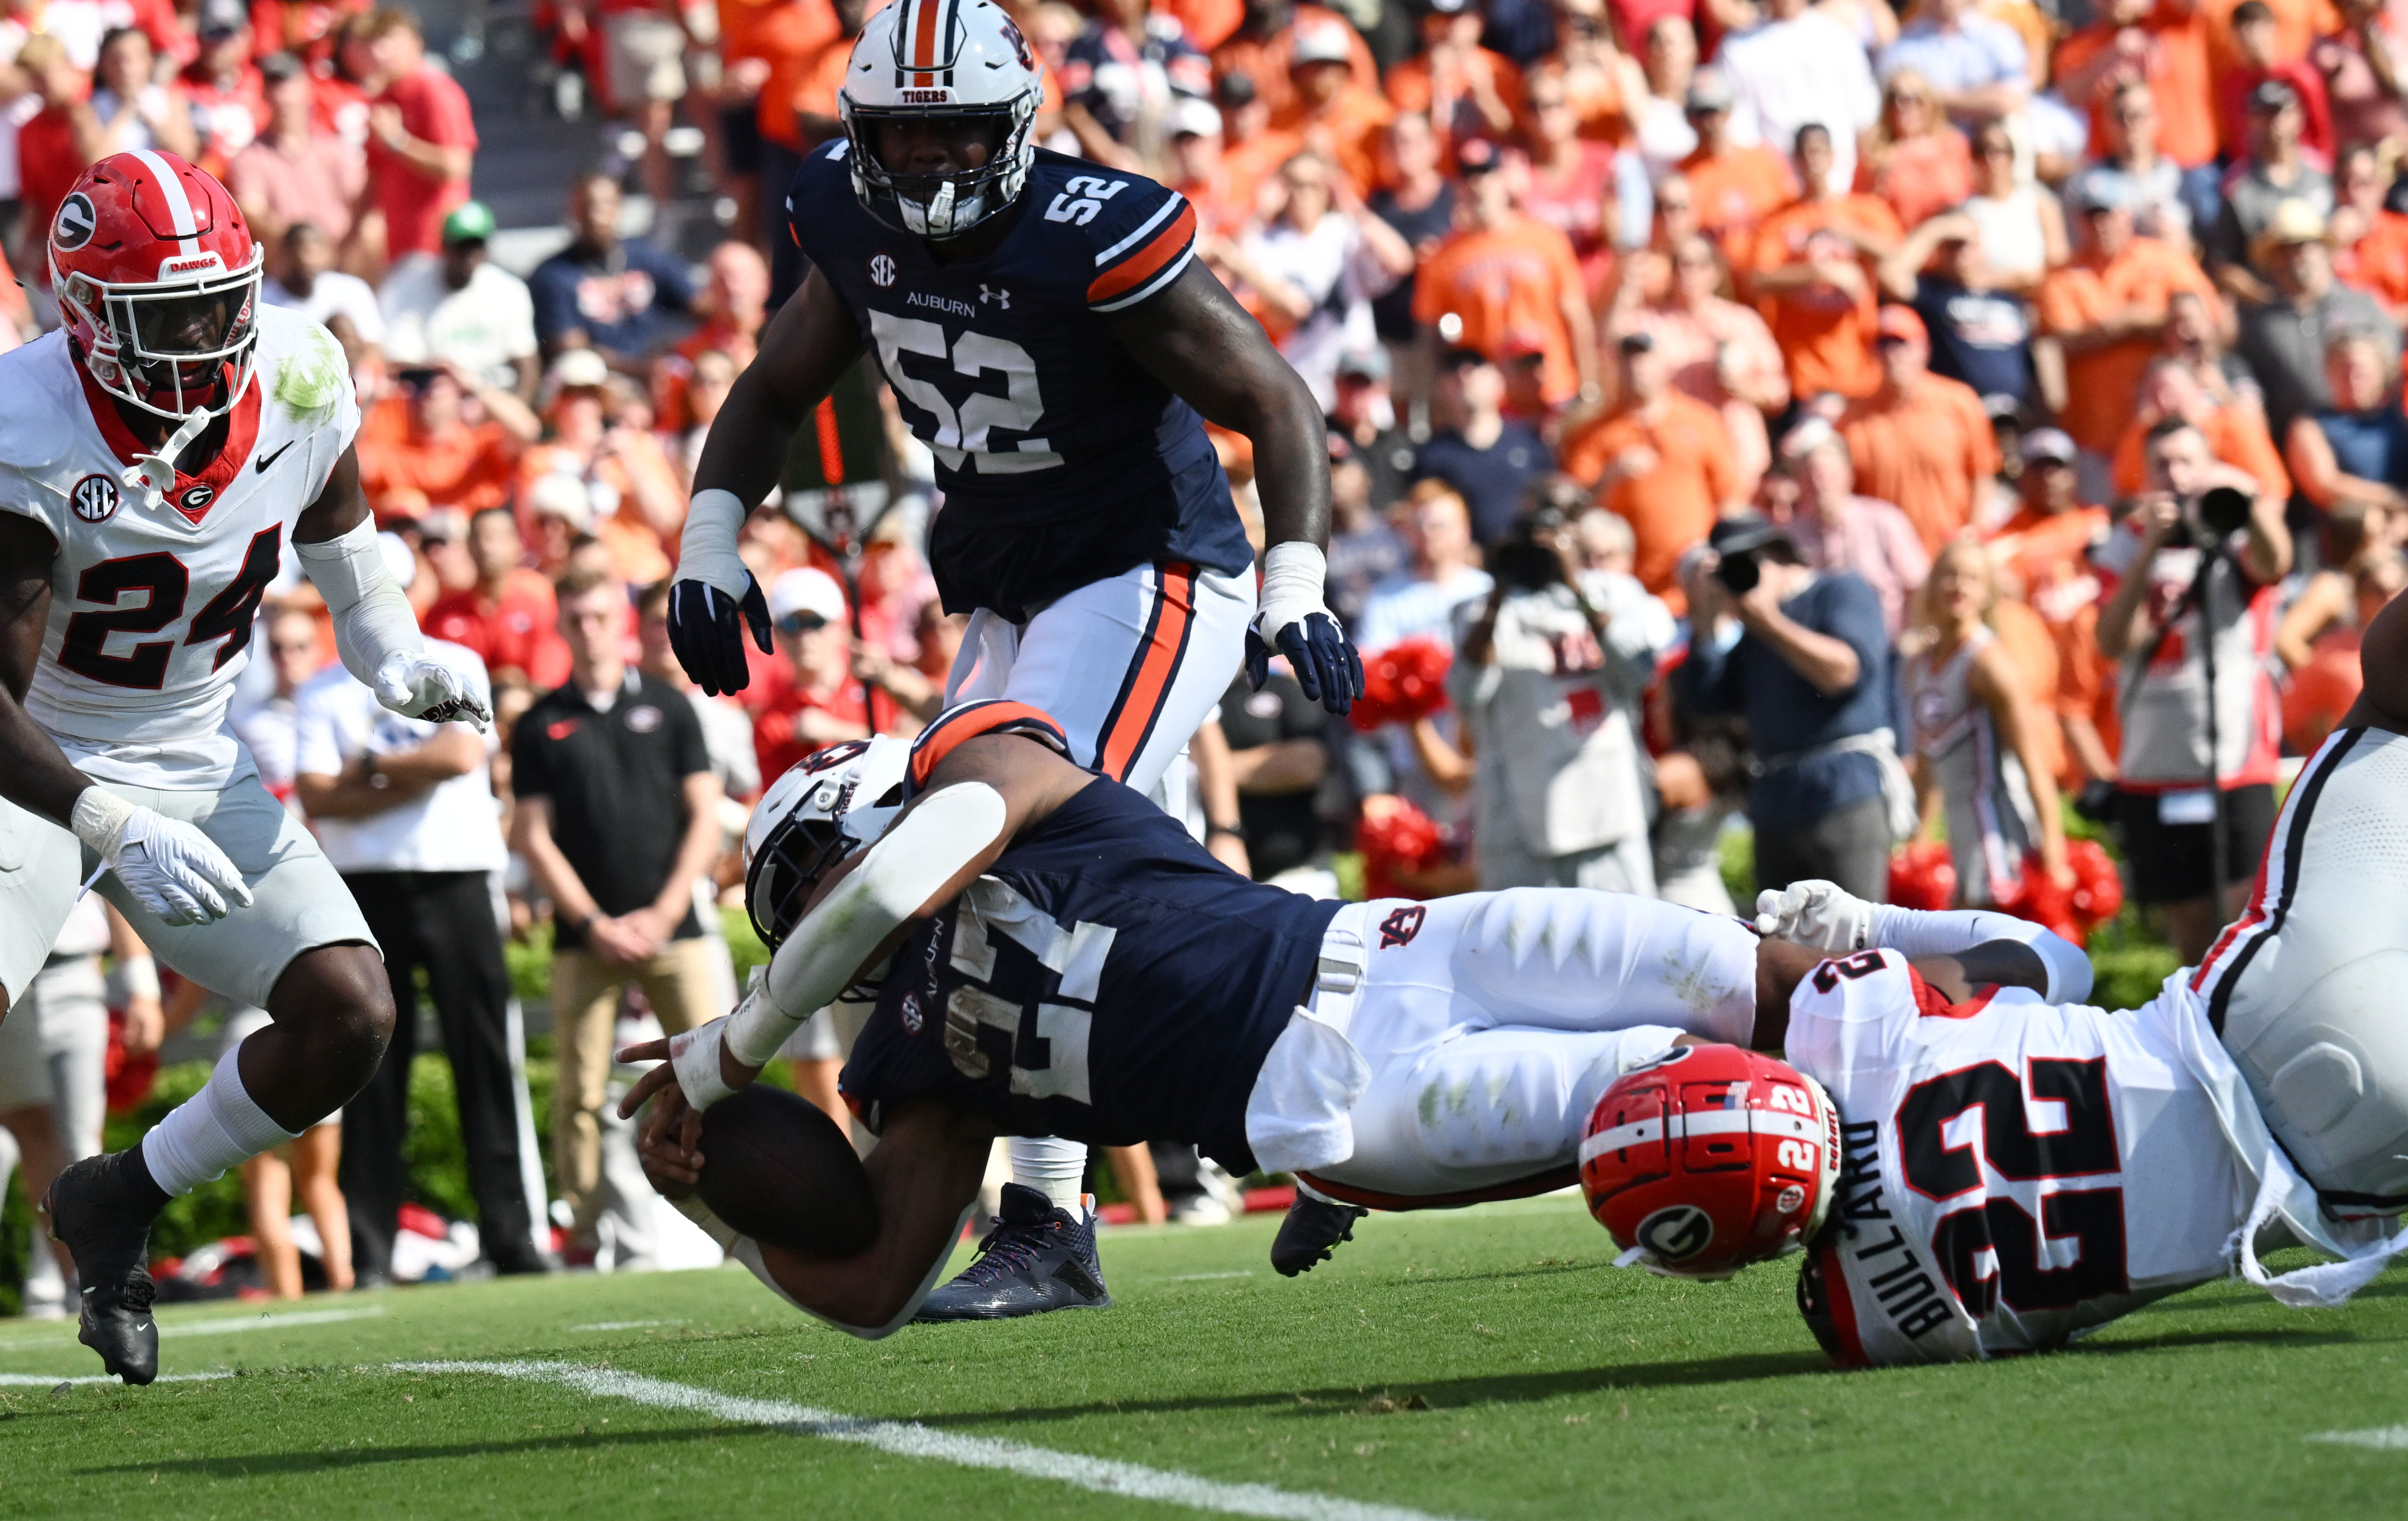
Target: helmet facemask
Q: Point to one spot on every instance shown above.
(178, 349)
(942, 205)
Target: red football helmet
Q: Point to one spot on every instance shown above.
(1708, 1158)
(158, 282)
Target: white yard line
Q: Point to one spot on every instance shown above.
(232, 1324)
(51, 1381)
(2383, 1438)
(908, 1439)
(1207, 1277)
(623, 1325)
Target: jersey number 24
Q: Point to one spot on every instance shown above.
(226, 618)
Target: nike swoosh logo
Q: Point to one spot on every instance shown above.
(262, 464)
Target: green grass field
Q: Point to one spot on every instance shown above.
(1479, 1364)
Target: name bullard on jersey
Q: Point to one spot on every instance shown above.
(1907, 1292)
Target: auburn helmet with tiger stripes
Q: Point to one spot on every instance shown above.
(948, 61)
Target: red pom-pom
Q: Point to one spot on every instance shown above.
(127, 1079)
(1402, 683)
(1923, 876)
(1394, 834)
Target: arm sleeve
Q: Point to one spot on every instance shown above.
(1945, 932)
(373, 618)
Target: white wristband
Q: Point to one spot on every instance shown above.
(99, 818)
(706, 549)
(1293, 574)
(139, 975)
(695, 1055)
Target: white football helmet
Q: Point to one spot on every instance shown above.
(834, 803)
(941, 59)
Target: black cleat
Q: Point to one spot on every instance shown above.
(1038, 1257)
(104, 1219)
(1312, 1231)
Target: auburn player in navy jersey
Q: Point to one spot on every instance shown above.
(1049, 335)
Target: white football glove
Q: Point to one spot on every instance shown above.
(1815, 913)
(173, 870)
(695, 1055)
(416, 686)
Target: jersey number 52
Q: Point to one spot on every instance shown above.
(962, 434)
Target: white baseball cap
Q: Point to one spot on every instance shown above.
(1322, 43)
(807, 590)
(1194, 118)
(563, 496)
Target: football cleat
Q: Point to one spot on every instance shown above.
(1038, 1257)
(106, 1223)
(1312, 1231)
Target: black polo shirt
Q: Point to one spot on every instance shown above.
(616, 781)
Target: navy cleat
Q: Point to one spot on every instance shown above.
(1312, 1231)
(103, 1216)
(1038, 1257)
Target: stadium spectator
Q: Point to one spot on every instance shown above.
(2163, 47)
(1980, 335)
(509, 618)
(631, 488)
(1445, 573)
(2043, 554)
(1508, 280)
(2018, 226)
(1797, 66)
(2260, 58)
(1921, 441)
(1317, 265)
(1814, 263)
(2283, 337)
(224, 91)
(2107, 309)
(1123, 75)
(48, 158)
(1481, 454)
(1264, 48)
(1914, 158)
(294, 170)
(2360, 79)
(1974, 66)
(2153, 625)
(423, 449)
(817, 702)
(1659, 459)
(1364, 415)
(734, 302)
(1548, 686)
(1715, 350)
(1571, 184)
(306, 280)
(1279, 757)
(1464, 89)
(403, 808)
(2370, 239)
(1419, 202)
(726, 728)
(1329, 111)
(2275, 174)
(459, 306)
(617, 815)
(421, 138)
(2235, 428)
(131, 109)
(642, 50)
(1734, 181)
(1659, 117)
(1833, 529)
(1810, 671)
(603, 291)
(2355, 450)
(2129, 170)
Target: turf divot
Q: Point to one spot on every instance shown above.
(908, 1439)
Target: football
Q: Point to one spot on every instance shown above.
(785, 1174)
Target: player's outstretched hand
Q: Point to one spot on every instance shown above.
(175, 870)
(1323, 658)
(1818, 914)
(416, 686)
(707, 626)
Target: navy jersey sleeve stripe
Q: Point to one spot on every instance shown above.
(1155, 260)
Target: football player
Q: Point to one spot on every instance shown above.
(1051, 336)
(157, 454)
(1047, 953)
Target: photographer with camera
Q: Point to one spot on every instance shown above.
(1548, 686)
(1810, 671)
(2202, 550)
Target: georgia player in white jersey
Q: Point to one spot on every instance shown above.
(156, 454)
(2001, 1173)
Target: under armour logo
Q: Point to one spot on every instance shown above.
(882, 270)
(1001, 298)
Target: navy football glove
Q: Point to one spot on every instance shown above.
(1326, 663)
(707, 632)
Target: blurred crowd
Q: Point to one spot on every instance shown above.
(1909, 434)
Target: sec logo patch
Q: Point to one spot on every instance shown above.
(94, 498)
(882, 270)
(911, 1016)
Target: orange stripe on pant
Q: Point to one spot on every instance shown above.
(1131, 721)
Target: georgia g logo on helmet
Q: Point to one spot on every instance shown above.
(74, 224)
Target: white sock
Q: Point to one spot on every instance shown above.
(1052, 1166)
(217, 1129)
